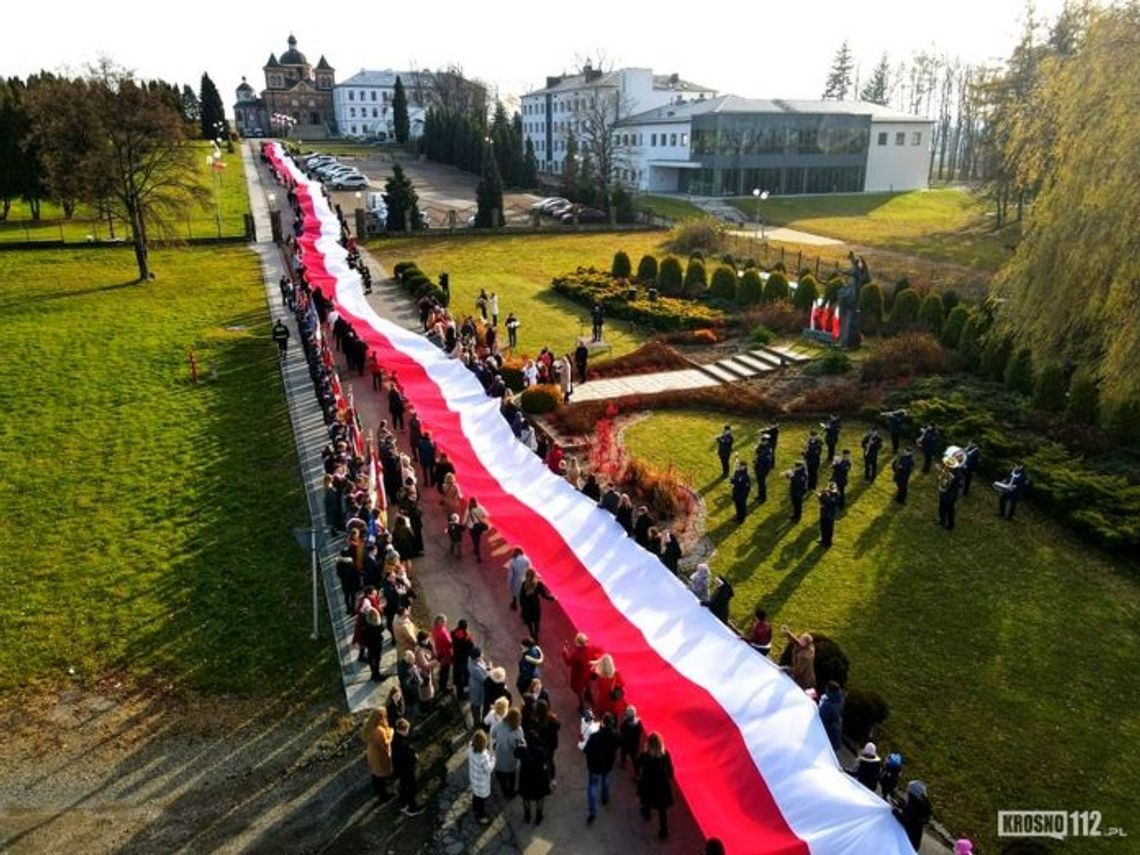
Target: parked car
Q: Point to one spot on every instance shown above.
(554, 205)
(549, 201)
(350, 182)
(338, 172)
(557, 211)
(583, 214)
(425, 220)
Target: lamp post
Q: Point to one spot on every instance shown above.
(211, 161)
(759, 195)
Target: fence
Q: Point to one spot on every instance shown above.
(86, 231)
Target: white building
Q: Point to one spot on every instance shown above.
(579, 104)
(729, 146)
(363, 104)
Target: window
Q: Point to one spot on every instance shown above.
(351, 95)
(916, 138)
(373, 93)
(900, 138)
(352, 112)
(653, 140)
(882, 138)
(361, 94)
(684, 139)
(375, 114)
(354, 129)
(672, 139)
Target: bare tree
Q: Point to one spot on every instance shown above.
(598, 112)
(127, 143)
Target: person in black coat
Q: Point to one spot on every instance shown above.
(772, 432)
(592, 488)
(655, 782)
(868, 767)
(404, 760)
(949, 488)
(797, 489)
(719, 601)
(581, 357)
(902, 467)
(896, 421)
(812, 453)
(871, 443)
(915, 812)
(671, 552)
(724, 449)
(970, 466)
(741, 487)
(828, 507)
(427, 457)
(762, 464)
(1010, 491)
(840, 472)
(396, 406)
(534, 775)
(831, 435)
(928, 442)
(642, 522)
(349, 579)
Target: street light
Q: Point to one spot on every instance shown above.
(759, 195)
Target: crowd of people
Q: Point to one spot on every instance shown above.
(378, 510)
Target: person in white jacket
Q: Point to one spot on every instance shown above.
(480, 764)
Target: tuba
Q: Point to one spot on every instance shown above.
(953, 458)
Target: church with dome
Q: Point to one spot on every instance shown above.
(293, 88)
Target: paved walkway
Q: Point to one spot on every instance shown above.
(720, 209)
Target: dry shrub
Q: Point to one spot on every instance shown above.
(651, 357)
(911, 354)
(582, 418)
(701, 234)
(541, 399)
(662, 491)
(704, 336)
(837, 396)
(780, 317)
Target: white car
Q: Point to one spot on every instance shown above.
(549, 201)
(350, 182)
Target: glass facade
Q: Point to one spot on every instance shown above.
(783, 153)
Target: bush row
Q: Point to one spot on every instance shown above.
(626, 300)
(416, 282)
(650, 357)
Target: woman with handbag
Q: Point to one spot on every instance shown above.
(607, 689)
(531, 595)
(476, 522)
(654, 782)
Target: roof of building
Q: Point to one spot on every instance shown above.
(244, 85)
(736, 104)
(591, 77)
(293, 56)
(323, 64)
(386, 78)
(273, 63)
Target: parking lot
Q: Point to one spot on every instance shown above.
(441, 188)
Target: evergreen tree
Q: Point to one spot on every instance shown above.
(529, 177)
(838, 85)
(570, 183)
(212, 116)
(190, 106)
(400, 112)
(489, 193)
(878, 88)
(402, 201)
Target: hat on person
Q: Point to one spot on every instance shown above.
(894, 761)
(962, 846)
(870, 751)
(916, 789)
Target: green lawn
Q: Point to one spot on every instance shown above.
(669, 206)
(1008, 651)
(147, 522)
(232, 205)
(519, 268)
(948, 224)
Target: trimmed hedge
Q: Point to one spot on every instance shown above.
(664, 313)
(696, 280)
(723, 285)
(670, 277)
(969, 344)
(538, 400)
(751, 291)
(776, 288)
(1019, 372)
(952, 327)
(1083, 404)
(1050, 388)
(621, 267)
(871, 306)
(647, 269)
(930, 313)
(806, 293)
(995, 356)
(835, 361)
(904, 309)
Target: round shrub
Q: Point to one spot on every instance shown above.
(400, 266)
(930, 313)
(806, 293)
(995, 356)
(904, 311)
(779, 267)
(950, 302)
(1122, 422)
(831, 290)
(760, 335)
(1083, 403)
(670, 277)
(723, 285)
(834, 361)
(871, 306)
(537, 400)
(969, 345)
(696, 255)
(776, 288)
(900, 286)
(728, 259)
(862, 712)
(1019, 372)
(696, 280)
(647, 269)
(952, 326)
(751, 288)
(621, 267)
(750, 264)
(1050, 388)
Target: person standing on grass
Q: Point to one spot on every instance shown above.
(831, 713)
(871, 444)
(404, 760)
(803, 657)
(476, 522)
(444, 652)
(840, 472)
(601, 751)
(828, 507)
(762, 464)
(506, 738)
(566, 378)
(378, 737)
(797, 489)
(654, 782)
(531, 595)
(761, 636)
(281, 337)
(480, 765)
(581, 357)
(493, 305)
(741, 488)
(902, 467)
(512, 324)
(724, 449)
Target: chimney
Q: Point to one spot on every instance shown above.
(553, 81)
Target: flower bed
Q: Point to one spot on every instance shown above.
(624, 299)
(647, 359)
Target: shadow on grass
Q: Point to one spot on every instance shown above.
(11, 304)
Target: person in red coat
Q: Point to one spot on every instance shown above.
(579, 657)
(607, 689)
(441, 641)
